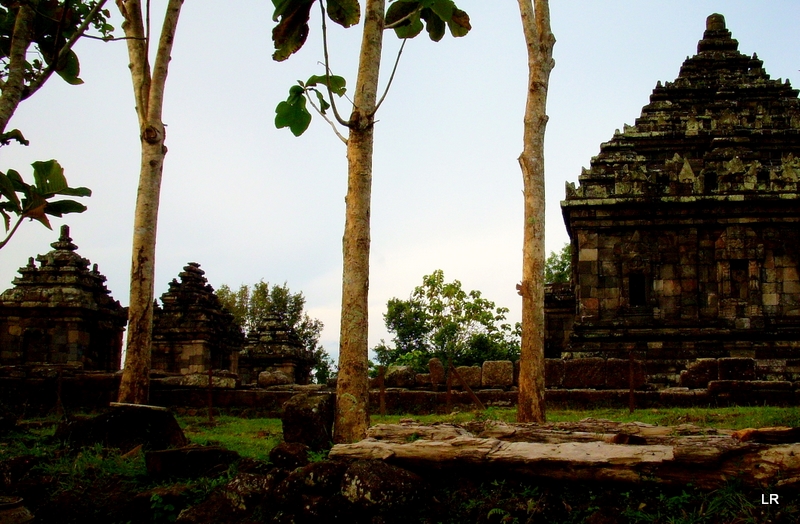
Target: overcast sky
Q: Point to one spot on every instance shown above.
(250, 202)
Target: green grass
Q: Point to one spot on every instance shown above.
(250, 437)
(721, 418)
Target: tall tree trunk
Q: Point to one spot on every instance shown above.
(15, 82)
(149, 94)
(352, 390)
(539, 41)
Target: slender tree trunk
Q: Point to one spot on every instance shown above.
(14, 84)
(352, 390)
(539, 41)
(149, 95)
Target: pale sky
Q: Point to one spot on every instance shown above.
(250, 202)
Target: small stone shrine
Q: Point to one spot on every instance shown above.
(192, 332)
(274, 346)
(61, 313)
(685, 229)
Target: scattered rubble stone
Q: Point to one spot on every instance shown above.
(309, 419)
(125, 426)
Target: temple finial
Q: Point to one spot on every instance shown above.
(715, 22)
(64, 241)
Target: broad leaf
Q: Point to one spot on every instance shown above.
(293, 113)
(433, 24)
(62, 207)
(69, 68)
(76, 191)
(459, 24)
(35, 209)
(411, 29)
(443, 9)
(6, 218)
(291, 32)
(335, 83)
(401, 10)
(281, 7)
(323, 104)
(16, 180)
(7, 190)
(49, 177)
(344, 12)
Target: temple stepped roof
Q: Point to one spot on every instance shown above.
(722, 129)
(62, 279)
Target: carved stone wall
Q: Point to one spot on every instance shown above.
(684, 229)
(60, 312)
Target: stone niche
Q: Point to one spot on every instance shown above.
(274, 346)
(61, 313)
(192, 332)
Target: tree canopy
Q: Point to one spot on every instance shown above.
(558, 266)
(251, 305)
(51, 30)
(440, 319)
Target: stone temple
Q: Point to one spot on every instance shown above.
(61, 313)
(685, 229)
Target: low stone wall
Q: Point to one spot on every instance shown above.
(39, 390)
(577, 373)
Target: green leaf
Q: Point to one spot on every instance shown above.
(402, 9)
(344, 12)
(34, 208)
(69, 68)
(293, 114)
(410, 30)
(7, 190)
(6, 218)
(62, 207)
(19, 185)
(323, 104)
(443, 9)
(76, 191)
(295, 93)
(291, 32)
(335, 83)
(49, 177)
(433, 24)
(459, 23)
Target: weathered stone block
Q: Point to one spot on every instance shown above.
(469, 374)
(423, 380)
(497, 373)
(400, 377)
(436, 369)
(273, 378)
(553, 372)
(699, 373)
(200, 380)
(618, 374)
(737, 369)
(308, 419)
(582, 373)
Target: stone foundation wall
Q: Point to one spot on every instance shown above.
(41, 390)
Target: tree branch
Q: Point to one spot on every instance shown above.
(391, 77)
(324, 117)
(62, 53)
(339, 119)
(15, 82)
(163, 56)
(133, 27)
(13, 230)
(397, 23)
